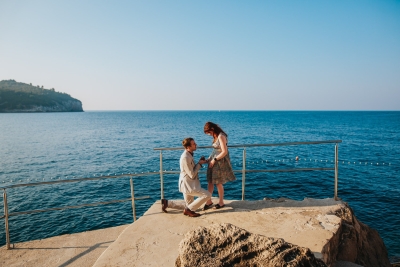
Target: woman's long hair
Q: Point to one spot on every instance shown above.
(210, 126)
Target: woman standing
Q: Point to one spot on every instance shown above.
(219, 164)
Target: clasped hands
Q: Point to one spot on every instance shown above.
(210, 162)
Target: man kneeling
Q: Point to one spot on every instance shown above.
(189, 183)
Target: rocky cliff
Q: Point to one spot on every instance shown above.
(62, 106)
(228, 245)
(21, 97)
(355, 242)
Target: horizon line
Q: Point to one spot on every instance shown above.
(246, 110)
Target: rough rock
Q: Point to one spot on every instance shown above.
(228, 245)
(355, 242)
(63, 106)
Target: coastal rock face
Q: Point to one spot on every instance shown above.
(228, 245)
(355, 242)
(64, 106)
(22, 97)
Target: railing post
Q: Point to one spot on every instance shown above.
(336, 170)
(133, 201)
(244, 172)
(161, 176)
(6, 219)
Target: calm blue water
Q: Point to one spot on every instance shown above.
(49, 146)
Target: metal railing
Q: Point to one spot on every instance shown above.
(132, 198)
(161, 173)
(244, 170)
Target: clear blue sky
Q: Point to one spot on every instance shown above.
(207, 55)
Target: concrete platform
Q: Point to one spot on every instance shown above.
(153, 239)
(74, 250)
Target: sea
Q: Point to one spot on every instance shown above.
(37, 147)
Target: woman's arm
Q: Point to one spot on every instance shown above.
(224, 150)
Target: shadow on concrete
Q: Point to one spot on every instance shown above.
(282, 203)
(244, 205)
(83, 253)
(32, 248)
(16, 248)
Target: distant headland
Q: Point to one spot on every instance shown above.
(22, 97)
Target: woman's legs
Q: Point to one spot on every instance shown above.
(220, 188)
(210, 189)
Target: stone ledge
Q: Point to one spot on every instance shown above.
(153, 240)
(80, 249)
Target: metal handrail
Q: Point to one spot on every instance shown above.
(74, 207)
(132, 198)
(80, 179)
(244, 170)
(161, 172)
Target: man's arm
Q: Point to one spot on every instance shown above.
(187, 168)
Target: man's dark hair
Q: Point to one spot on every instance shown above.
(186, 142)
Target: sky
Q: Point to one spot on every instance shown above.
(207, 55)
